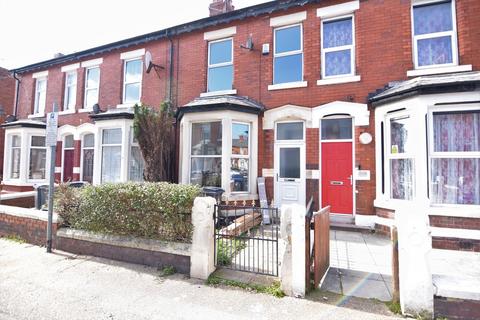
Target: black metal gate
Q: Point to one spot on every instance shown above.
(246, 238)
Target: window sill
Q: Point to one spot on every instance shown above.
(338, 80)
(288, 85)
(66, 112)
(85, 110)
(438, 70)
(127, 105)
(36, 115)
(218, 93)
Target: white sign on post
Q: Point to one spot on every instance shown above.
(52, 124)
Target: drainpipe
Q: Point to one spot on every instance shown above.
(17, 88)
(174, 176)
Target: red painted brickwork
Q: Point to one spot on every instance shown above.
(455, 222)
(31, 230)
(456, 244)
(7, 97)
(456, 309)
(383, 54)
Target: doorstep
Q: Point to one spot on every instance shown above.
(350, 227)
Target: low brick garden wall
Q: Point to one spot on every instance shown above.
(149, 252)
(18, 199)
(27, 224)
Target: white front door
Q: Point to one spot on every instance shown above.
(289, 164)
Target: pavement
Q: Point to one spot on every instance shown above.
(360, 265)
(37, 285)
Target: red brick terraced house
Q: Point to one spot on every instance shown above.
(362, 105)
(7, 94)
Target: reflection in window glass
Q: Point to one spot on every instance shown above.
(290, 163)
(207, 138)
(290, 131)
(206, 154)
(92, 83)
(239, 169)
(334, 129)
(288, 55)
(206, 171)
(220, 65)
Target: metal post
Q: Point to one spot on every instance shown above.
(51, 141)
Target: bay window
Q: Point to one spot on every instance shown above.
(338, 54)
(137, 164)
(92, 84)
(206, 154)
(239, 168)
(132, 81)
(70, 96)
(455, 157)
(88, 152)
(434, 34)
(40, 95)
(111, 155)
(400, 158)
(16, 150)
(220, 65)
(288, 54)
(38, 158)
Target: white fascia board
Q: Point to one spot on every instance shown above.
(338, 10)
(288, 19)
(92, 63)
(132, 54)
(70, 67)
(40, 74)
(219, 34)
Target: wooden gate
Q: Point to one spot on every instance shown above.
(317, 250)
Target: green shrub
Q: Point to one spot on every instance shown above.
(156, 210)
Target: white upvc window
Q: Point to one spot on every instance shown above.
(454, 155)
(40, 95)
(434, 34)
(240, 157)
(111, 148)
(87, 157)
(132, 80)
(400, 157)
(136, 162)
(220, 65)
(288, 54)
(92, 86)
(70, 96)
(37, 158)
(15, 156)
(338, 47)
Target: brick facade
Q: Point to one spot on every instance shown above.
(7, 94)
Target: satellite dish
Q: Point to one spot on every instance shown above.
(96, 108)
(249, 44)
(148, 61)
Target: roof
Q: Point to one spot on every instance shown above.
(253, 11)
(223, 102)
(27, 123)
(113, 113)
(464, 81)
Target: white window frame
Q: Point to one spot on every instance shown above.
(70, 99)
(36, 108)
(102, 145)
(398, 156)
(291, 141)
(341, 48)
(82, 148)
(452, 33)
(223, 64)
(432, 154)
(125, 83)
(239, 156)
(87, 88)
(30, 147)
(10, 156)
(289, 53)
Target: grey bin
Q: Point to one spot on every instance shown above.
(214, 192)
(41, 196)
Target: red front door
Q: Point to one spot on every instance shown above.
(337, 183)
(68, 165)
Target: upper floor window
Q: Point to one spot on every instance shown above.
(70, 90)
(338, 55)
(132, 81)
(40, 95)
(455, 157)
(92, 83)
(434, 34)
(288, 54)
(220, 65)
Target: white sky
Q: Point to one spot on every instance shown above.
(34, 30)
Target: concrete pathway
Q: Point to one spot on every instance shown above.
(37, 285)
(360, 265)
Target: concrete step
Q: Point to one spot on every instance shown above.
(351, 227)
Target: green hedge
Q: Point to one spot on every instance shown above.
(157, 210)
